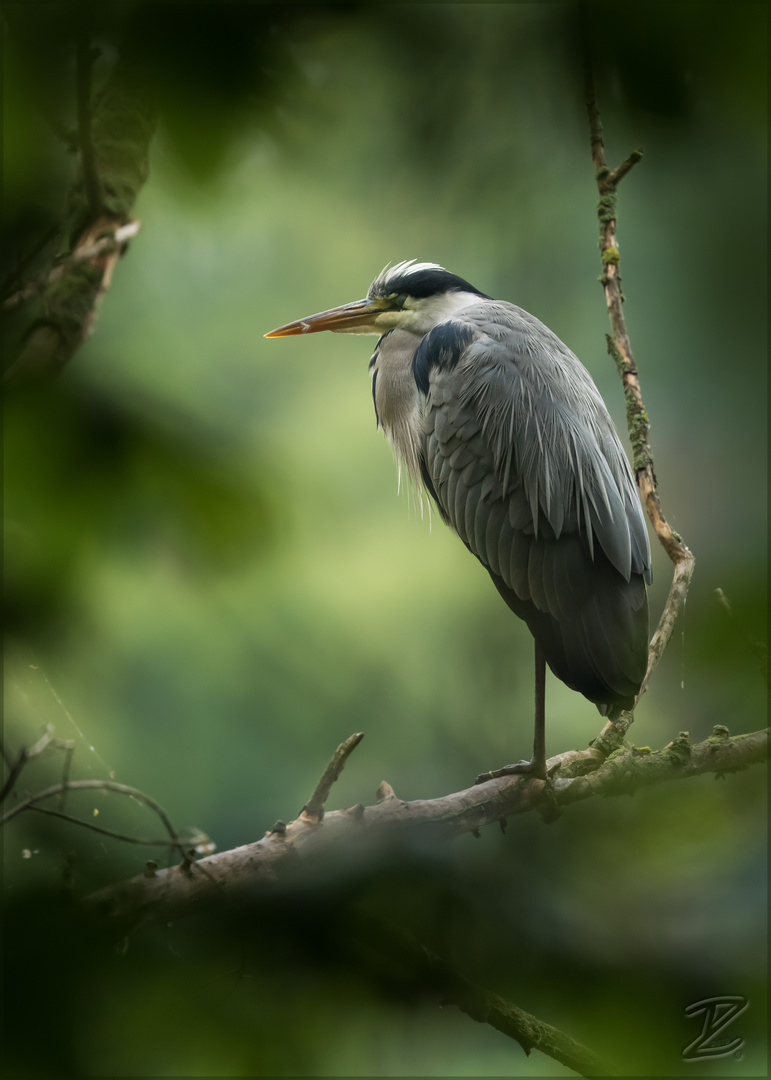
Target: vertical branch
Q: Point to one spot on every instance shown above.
(620, 348)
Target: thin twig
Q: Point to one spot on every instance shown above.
(15, 771)
(27, 753)
(92, 785)
(314, 808)
(618, 174)
(619, 347)
(68, 755)
(165, 842)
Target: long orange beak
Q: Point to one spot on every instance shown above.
(349, 317)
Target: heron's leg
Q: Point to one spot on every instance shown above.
(539, 736)
(536, 767)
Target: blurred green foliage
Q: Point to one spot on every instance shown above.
(211, 580)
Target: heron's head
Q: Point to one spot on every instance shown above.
(410, 296)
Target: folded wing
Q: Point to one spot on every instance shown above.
(524, 463)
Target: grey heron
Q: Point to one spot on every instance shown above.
(503, 426)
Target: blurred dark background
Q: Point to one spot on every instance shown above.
(211, 580)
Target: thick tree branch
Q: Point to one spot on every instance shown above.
(631, 767)
(161, 893)
(179, 889)
(112, 244)
(114, 140)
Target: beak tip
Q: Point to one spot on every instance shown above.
(357, 314)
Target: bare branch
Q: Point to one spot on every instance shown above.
(163, 842)
(27, 753)
(314, 808)
(93, 785)
(16, 768)
(678, 590)
(175, 890)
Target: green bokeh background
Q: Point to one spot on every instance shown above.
(212, 579)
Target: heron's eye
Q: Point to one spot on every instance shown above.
(398, 300)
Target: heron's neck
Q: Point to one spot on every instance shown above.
(398, 402)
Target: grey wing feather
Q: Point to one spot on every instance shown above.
(527, 468)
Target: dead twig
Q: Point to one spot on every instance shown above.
(314, 808)
(27, 753)
(189, 844)
(92, 785)
(162, 842)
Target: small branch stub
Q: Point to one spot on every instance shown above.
(313, 811)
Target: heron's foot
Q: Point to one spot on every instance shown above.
(536, 769)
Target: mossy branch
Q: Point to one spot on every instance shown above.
(288, 848)
(575, 775)
(112, 168)
(437, 977)
(620, 349)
